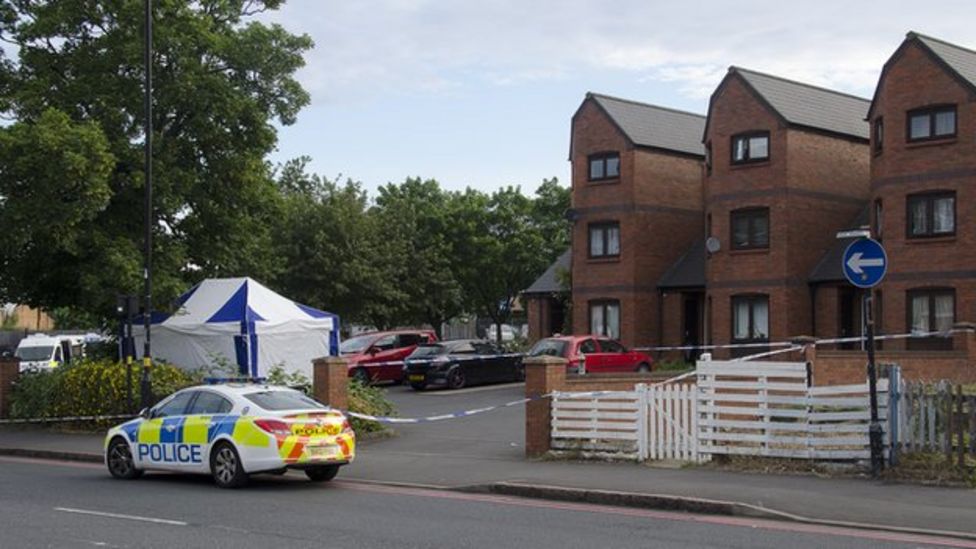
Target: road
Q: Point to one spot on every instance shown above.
(62, 504)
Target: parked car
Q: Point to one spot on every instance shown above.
(231, 431)
(378, 356)
(601, 354)
(460, 363)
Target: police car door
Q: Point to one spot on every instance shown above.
(159, 444)
(196, 427)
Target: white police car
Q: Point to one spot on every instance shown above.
(231, 431)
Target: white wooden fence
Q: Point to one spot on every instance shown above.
(768, 409)
(740, 408)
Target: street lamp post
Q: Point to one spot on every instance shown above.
(146, 390)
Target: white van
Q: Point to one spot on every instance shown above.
(41, 351)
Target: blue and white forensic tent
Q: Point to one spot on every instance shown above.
(241, 322)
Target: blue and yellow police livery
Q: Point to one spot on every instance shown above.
(231, 431)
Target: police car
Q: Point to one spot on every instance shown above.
(232, 430)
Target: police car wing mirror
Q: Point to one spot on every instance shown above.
(144, 413)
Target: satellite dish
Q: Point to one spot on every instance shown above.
(713, 245)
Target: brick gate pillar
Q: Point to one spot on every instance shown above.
(543, 374)
(330, 381)
(9, 372)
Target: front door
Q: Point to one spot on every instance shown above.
(691, 324)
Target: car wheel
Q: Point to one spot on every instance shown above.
(120, 462)
(226, 466)
(644, 368)
(361, 375)
(455, 378)
(418, 386)
(324, 473)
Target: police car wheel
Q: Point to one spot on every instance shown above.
(226, 467)
(323, 473)
(120, 462)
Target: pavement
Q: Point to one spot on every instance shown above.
(485, 453)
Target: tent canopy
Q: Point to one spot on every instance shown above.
(239, 321)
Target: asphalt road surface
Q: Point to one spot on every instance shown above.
(60, 504)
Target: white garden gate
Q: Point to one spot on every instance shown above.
(734, 408)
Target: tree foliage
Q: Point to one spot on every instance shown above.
(220, 80)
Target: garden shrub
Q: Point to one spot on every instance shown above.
(88, 388)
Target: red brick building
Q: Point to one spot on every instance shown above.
(923, 187)
(765, 183)
(636, 208)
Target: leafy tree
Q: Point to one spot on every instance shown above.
(504, 241)
(220, 80)
(412, 217)
(333, 254)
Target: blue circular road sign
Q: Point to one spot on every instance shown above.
(865, 263)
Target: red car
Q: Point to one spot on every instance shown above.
(601, 353)
(378, 356)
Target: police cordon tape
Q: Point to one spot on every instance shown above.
(827, 341)
(475, 411)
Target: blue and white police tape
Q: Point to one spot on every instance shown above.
(64, 419)
(475, 411)
(440, 358)
(790, 344)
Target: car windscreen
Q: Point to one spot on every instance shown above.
(277, 401)
(549, 347)
(34, 354)
(428, 350)
(356, 345)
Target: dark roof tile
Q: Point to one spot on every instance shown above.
(548, 283)
(810, 106)
(653, 126)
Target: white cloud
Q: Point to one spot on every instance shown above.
(404, 46)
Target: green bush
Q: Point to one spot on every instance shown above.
(90, 388)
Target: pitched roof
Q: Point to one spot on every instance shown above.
(688, 271)
(549, 283)
(830, 267)
(652, 126)
(959, 59)
(810, 106)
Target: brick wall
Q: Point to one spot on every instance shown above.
(911, 80)
(330, 381)
(657, 194)
(9, 372)
(814, 184)
(831, 367)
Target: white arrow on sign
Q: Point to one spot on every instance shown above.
(856, 262)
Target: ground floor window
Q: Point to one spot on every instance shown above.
(605, 318)
(931, 310)
(750, 318)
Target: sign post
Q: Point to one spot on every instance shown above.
(865, 264)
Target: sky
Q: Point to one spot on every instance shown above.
(481, 93)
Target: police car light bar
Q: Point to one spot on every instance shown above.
(219, 380)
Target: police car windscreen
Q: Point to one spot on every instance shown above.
(277, 401)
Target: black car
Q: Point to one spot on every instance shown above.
(460, 363)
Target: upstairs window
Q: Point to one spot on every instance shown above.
(750, 147)
(878, 219)
(708, 158)
(604, 239)
(878, 134)
(750, 229)
(932, 123)
(931, 214)
(604, 166)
